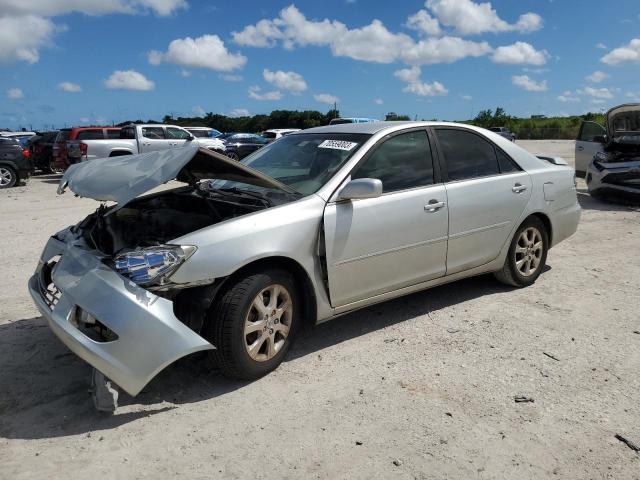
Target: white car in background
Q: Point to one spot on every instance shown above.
(276, 133)
(203, 132)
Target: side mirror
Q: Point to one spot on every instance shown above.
(190, 137)
(361, 188)
(600, 139)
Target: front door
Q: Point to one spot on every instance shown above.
(399, 239)
(153, 139)
(487, 193)
(177, 137)
(586, 146)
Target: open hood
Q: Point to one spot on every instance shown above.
(121, 179)
(623, 118)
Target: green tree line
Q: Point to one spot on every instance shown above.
(524, 128)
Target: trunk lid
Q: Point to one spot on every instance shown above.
(121, 179)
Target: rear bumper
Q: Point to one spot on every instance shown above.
(149, 336)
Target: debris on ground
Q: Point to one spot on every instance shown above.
(553, 357)
(397, 462)
(523, 399)
(633, 446)
(103, 393)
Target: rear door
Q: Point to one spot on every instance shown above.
(153, 139)
(381, 244)
(586, 146)
(487, 193)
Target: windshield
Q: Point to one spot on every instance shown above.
(304, 162)
(213, 133)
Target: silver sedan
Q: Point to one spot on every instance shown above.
(318, 223)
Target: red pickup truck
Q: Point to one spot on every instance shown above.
(61, 159)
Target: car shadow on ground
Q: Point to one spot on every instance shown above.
(45, 386)
(606, 204)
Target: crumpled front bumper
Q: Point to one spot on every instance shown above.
(149, 336)
(616, 178)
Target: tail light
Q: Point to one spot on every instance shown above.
(26, 153)
(83, 148)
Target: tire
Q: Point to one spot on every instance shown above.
(55, 169)
(233, 156)
(8, 177)
(235, 324)
(529, 234)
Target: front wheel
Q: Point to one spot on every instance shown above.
(253, 323)
(8, 177)
(527, 254)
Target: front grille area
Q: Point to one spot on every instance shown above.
(625, 179)
(50, 293)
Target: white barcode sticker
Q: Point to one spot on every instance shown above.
(338, 145)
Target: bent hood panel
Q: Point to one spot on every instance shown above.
(121, 179)
(623, 118)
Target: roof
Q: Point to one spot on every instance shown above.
(369, 128)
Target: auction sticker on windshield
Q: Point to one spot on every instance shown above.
(338, 145)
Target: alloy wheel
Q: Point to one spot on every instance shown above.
(528, 251)
(268, 323)
(6, 177)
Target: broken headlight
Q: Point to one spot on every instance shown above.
(152, 265)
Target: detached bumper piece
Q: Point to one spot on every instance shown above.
(125, 332)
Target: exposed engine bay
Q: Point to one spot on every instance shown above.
(158, 218)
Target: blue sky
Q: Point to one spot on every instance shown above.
(70, 62)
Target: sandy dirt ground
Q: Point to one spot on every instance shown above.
(420, 387)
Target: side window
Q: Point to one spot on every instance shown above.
(402, 162)
(505, 162)
(96, 134)
(177, 133)
(467, 155)
(113, 133)
(589, 130)
(128, 133)
(153, 133)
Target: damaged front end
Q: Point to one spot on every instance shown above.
(104, 285)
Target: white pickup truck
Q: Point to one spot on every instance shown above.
(135, 138)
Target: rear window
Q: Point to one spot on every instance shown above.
(95, 134)
(113, 133)
(8, 141)
(63, 135)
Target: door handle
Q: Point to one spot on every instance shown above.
(434, 206)
(518, 188)
(580, 148)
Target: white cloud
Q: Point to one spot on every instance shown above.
(629, 53)
(523, 81)
(199, 111)
(128, 80)
(597, 76)
(254, 92)
(600, 93)
(634, 96)
(230, 77)
(424, 23)
(15, 93)
(520, 53)
(371, 43)
(288, 81)
(21, 37)
(207, 51)
(378, 101)
(601, 46)
(69, 87)
(326, 98)
(466, 97)
(239, 112)
(470, 18)
(411, 76)
(568, 96)
(52, 8)
(443, 50)
(185, 73)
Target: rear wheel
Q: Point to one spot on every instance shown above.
(54, 168)
(527, 254)
(253, 323)
(233, 156)
(8, 177)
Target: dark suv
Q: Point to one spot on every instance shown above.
(15, 162)
(41, 148)
(61, 160)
